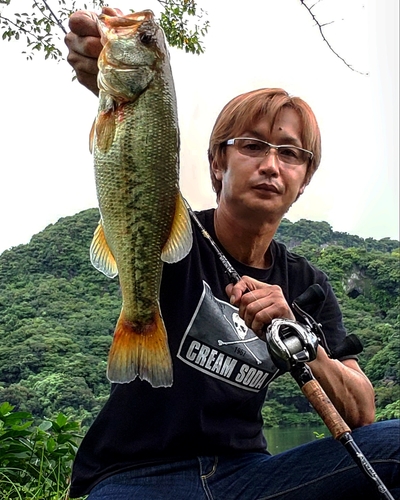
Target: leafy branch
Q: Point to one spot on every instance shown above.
(175, 23)
(37, 27)
(183, 23)
(320, 28)
(59, 23)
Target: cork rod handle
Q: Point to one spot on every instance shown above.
(325, 409)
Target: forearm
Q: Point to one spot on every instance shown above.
(344, 382)
(347, 387)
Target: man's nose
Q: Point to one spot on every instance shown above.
(270, 161)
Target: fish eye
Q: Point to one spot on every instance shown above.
(146, 38)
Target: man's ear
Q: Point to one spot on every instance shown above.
(301, 190)
(216, 170)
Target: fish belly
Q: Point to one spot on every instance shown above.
(137, 184)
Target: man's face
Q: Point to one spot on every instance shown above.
(264, 186)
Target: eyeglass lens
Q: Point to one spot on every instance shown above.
(257, 149)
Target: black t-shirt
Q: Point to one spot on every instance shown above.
(220, 381)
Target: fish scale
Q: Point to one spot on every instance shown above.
(144, 221)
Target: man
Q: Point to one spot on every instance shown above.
(202, 437)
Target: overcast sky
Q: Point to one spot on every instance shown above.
(46, 170)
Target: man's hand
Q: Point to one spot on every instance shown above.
(83, 42)
(258, 303)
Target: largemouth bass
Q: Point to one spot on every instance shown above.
(144, 222)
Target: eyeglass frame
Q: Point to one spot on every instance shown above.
(231, 142)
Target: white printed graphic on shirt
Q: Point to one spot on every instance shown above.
(218, 342)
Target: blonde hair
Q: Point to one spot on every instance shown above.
(245, 110)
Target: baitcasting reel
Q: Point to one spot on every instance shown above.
(291, 343)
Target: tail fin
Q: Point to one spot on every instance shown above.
(140, 354)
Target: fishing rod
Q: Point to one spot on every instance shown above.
(233, 275)
(57, 21)
(291, 345)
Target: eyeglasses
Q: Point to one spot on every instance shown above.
(256, 148)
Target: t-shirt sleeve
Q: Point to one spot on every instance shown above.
(328, 314)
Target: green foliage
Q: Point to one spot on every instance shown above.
(35, 461)
(42, 28)
(175, 23)
(292, 234)
(385, 364)
(321, 234)
(286, 406)
(390, 411)
(57, 316)
(365, 275)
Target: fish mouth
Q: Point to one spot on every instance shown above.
(120, 65)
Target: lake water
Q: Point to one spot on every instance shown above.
(283, 438)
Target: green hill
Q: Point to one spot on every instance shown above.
(57, 316)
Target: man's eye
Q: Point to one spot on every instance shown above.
(252, 145)
(289, 152)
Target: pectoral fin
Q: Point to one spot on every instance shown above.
(181, 238)
(100, 254)
(105, 130)
(91, 137)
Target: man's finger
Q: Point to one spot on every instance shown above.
(235, 291)
(83, 23)
(108, 11)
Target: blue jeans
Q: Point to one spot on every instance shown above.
(320, 470)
